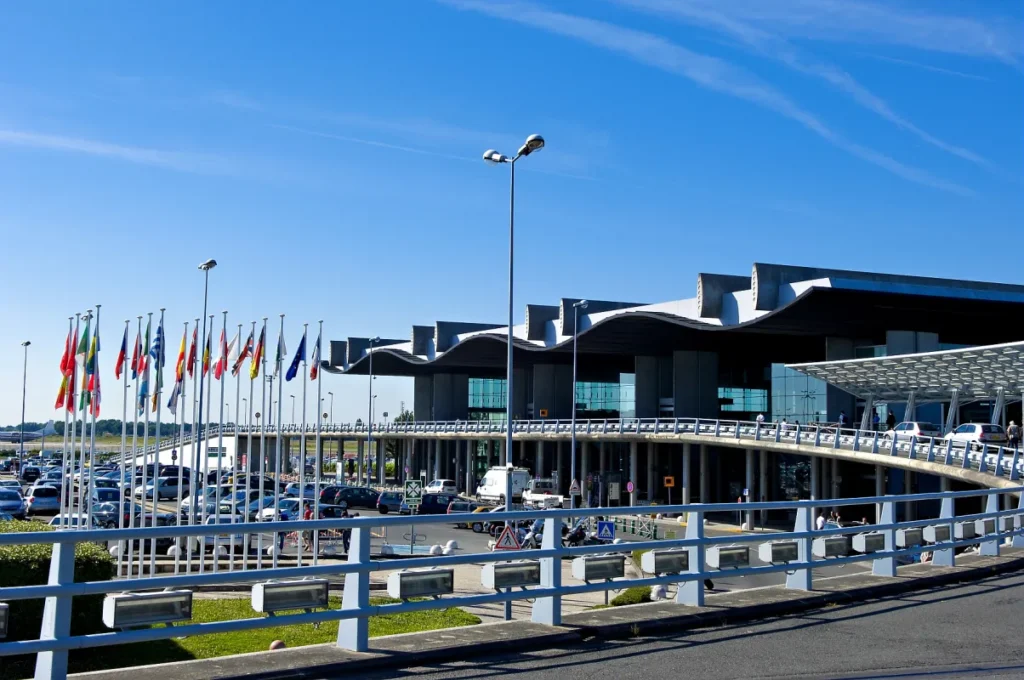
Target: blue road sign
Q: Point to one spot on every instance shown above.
(606, 531)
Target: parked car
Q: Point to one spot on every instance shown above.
(308, 490)
(462, 506)
(29, 474)
(109, 514)
(237, 502)
(435, 503)
(208, 495)
(328, 493)
(105, 483)
(105, 495)
(905, 430)
(978, 434)
(42, 500)
(4, 517)
(11, 485)
(12, 503)
(289, 509)
(166, 487)
(256, 508)
(492, 486)
(239, 540)
(390, 501)
(357, 497)
(441, 486)
(74, 519)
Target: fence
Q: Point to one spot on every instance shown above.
(536, 573)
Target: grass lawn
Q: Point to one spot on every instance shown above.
(223, 644)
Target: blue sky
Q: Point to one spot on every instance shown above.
(329, 158)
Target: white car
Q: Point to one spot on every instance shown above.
(904, 431)
(441, 486)
(73, 520)
(977, 434)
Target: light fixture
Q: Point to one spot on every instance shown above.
(405, 585)
(498, 575)
(208, 265)
(533, 143)
(909, 538)
(779, 552)
(869, 543)
(126, 610)
(963, 531)
(275, 596)
(733, 556)
(665, 561)
(984, 527)
(599, 567)
(938, 533)
(831, 546)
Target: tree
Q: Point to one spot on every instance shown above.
(405, 416)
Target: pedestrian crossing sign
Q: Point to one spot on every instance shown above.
(574, 489)
(606, 531)
(507, 540)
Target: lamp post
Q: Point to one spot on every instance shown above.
(24, 389)
(533, 143)
(576, 307)
(331, 395)
(369, 425)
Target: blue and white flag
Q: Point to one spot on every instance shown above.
(300, 355)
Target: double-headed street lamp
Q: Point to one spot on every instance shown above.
(576, 307)
(369, 425)
(533, 143)
(24, 391)
(197, 454)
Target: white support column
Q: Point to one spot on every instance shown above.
(879, 490)
(650, 472)
(705, 493)
(762, 484)
(751, 491)
(911, 410)
(686, 474)
(471, 447)
(866, 421)
(998, 410)
(632, 472)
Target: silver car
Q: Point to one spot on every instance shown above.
(42, 500)
(12, 503)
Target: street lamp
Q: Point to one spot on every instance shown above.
(576, 307)
(24, 388)
(533, 143)
(369, 425)
(197, 454)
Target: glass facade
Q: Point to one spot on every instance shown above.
(738, 399)
(606, 399)
(487, 393)
(796, 396)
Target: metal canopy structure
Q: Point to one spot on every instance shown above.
(974, 373)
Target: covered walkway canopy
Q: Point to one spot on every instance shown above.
(991, 372)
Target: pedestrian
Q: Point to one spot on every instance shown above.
(307, 536)
(875, 420)
(346, 534)
(819, 523)
(842, 419)
(890, 420)
(1013, 434)
(759, 419)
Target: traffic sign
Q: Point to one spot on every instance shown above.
(574, 488)
(174, 455)
(629, 487)
(606, 531)
(413, 491)
(670, 482)
(507, 539)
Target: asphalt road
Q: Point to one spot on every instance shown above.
(966, 631)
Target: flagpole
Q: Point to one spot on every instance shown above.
(92, 409)
(161, 338)
(144, 397)
(194, 487)
(81, 454)
(234, 460)
(136, 352)
(181, 456)
(124, 443)
(206, 434)
(68, 490)
(278, 371)
(263, 440)
(64, 406)
(220, 440)
(248, 451)
(302, 446)
(317, 454)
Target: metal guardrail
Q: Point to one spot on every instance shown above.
(1001, 461)
(55, 639)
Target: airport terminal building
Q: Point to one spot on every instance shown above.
(721, 354)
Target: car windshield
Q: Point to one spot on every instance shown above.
(929, 427)
(992, 429)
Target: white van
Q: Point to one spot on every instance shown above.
(492, 486)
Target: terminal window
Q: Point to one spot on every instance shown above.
(796, 396)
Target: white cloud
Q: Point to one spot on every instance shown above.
(717, 17)
(709, 72)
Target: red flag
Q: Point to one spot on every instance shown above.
(192, 352)
(136, 357)
(179, 367)
(119, 366)
(67, 356)
(62, 393)
(222, 361)
(94, 389)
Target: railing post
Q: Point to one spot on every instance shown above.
(856, 440)
(675, 426)
(913, 447)
(945, 557)
(839, 434)
(886, 566)
(354, 634)
(874, 443)
(718, 428)
(57, 614)
(1014, 474)
(893, 444)
(967, 452)
(778, 432)
(817, 435)
(800, 579)
(949, 452)
(638, 426)
(548, 609)
(757, 431)
(1018, 540)
(983, 462)
(798, 433)
(991, 548)
(998, 470)
(737, 429)
(931, 450)
(692, 592)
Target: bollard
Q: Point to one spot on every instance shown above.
(548, 610)
(354, 634)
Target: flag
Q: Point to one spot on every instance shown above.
(179, 368)
(83, 346)
(65, 359)
(300, 355)
(137, 356)
(159, 354)
(192, 352)
(94, 376)
(222, 360)
(62, 393)
(143, 368)
(281, 352)
(119, 366)
(206, 354)
(314, 369)
(240, 354)
(89, 379)
(71, 367)
(172, 404)
(257, 355)
(82, 357)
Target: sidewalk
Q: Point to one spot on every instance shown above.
(417, 649)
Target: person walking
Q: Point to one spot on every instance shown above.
(890, 420)
(1013, 434)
